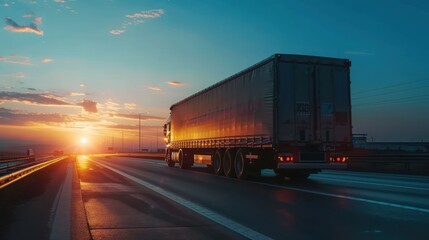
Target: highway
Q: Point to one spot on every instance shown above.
(132, 198)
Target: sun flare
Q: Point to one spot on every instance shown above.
(83, 140)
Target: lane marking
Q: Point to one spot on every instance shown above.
(224, 221)
(350, 198)
(62, 209)
(368, 183)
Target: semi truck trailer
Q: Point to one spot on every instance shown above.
(289, 113)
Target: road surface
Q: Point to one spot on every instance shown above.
(131, 198)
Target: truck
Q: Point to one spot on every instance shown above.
(289, 113)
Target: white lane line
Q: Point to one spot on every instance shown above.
(224, 221)
(368, 183)
(350, 198)
(62, 210)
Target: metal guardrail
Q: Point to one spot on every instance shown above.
(405, 163)
(15, 176)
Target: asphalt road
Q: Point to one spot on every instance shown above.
(330, 205)
(131, 198)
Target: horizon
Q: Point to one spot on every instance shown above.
(71, 69)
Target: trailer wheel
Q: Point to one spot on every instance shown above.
(241, 165)
(228, 163)
(217, 162)
(182, 161)
(168, 160)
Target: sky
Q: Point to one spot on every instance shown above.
(77, 68)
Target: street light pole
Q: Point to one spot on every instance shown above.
(140, 138)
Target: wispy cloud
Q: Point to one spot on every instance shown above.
(136, 116)
(135, 15)
(137, 18)
(28, 15)
(154, 88)
(117, 31)
(16, 59)
(31, 28)
(76, 94)
(19, 118)
(45, 99)
(154, 13)
(46, 60)
(175, 83)
(59, 1)
(13, 75)
(130, 106)
(110, 106)
(82, 85)
(32, 98)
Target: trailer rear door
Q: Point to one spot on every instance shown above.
(313, 100)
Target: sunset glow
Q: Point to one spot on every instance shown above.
(83, 140)
(66, 72)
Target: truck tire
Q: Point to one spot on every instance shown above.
(241, 165)
(182, 160)
(168, 160)
(228, 163)
(217, 162)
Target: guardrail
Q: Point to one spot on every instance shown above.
(392, 163)
(15, 176)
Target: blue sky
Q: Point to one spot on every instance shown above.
(88, 67)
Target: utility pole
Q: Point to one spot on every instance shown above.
(113, 143)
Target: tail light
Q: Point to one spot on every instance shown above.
(338, 158)
(285, 158)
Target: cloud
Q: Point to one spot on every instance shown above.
(32, 98)
(14, 75)
(117, 32)
(130, 106)
(154, 13)
(5, 5)
(46, 60)
(110, 106)
(154, 88)
(37, 20)
(60, 1)
(136, 19)
(16, 59)
(31, 89)
(14, 117)
(45, 100)
(123, 127)
(14, 27)
(75, 94)
(28, 15)
(18, 118)
(135, 15)
(89, 106)
(82, 85)
(136, 116)
(175, 83)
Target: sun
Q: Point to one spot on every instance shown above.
(83, 140)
